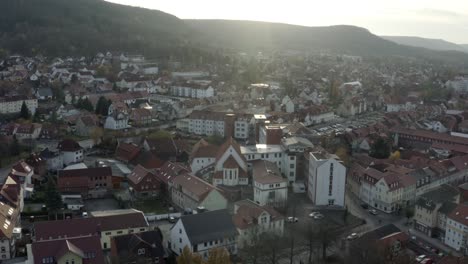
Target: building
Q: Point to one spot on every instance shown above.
(143, 183)
(253, 220)
(53, 159)
(190, 192)
(137, 247)
(86, 124)
(203, 232)
(86, 250)
(90, 182)
(141, 117)
(70, 151)
(432, 208)
(117, 121)
(270, 188)
(457, 229)
(327, 179)
(192, 91)
(207, 123)
(10, 230)
(203, 156)
(13, 104)
(105, 225)
(230, 167)
(28, 131)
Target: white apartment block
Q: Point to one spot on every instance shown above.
(270, 188)
(326, 180)
(10, 105)
(456, 233)
(184, 91)
(215, 123)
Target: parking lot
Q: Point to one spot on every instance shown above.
(341, 125)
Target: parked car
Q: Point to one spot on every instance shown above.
(420, 258)
(84, 214)
(365, 206)
(172, 219)
(318, 216)
(313, 214)
(352, 236)
(293, 219)
(373, 212)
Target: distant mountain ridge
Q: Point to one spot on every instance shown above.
(84, 27)
(434, 44)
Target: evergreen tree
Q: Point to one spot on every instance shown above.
(53, 198)
(36, 117)
(25, 114)
(85, 104)
(102, 106)
(380, 149)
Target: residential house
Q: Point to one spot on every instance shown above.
(53, 159)
(10, 230)
(126, 152)
(44, 93)
(326, 179)
(270, 188)
(167, 148)
(85, 249)
(456, 233)
(203, 156)
(28, 131)
(86, 124)
(71, 151)
(203, 232)
(117, 121)
(103, 224)
(137, 247)
(143, 183)
(141, 117)
(432, 208)
(190, 192)
(89, 182)
(253, 220)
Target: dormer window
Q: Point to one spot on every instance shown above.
(141, 251)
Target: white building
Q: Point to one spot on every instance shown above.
(456, 233)
(71, 151)
(12, 104)
(117, 121)
(459, 84)
(203, 232)
(230, 168)
(192, 92)
(253, 220)
(327, 179)
(318, 116)
(208, 123)
(270, 188)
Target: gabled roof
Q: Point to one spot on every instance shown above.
(248, 212)
(266, 172)
(138, 174)
(88, 248)
(191, 185)
(170, 170)
(69, 145)
(127, 151)
(228, 143)
(460, 214)
(208, 226)
(128, 243)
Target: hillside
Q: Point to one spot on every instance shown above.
(340, 39)
(61, 27)
(84, 27)
(434, 44)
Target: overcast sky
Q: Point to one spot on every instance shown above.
(445, 19)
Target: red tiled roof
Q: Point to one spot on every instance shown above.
(193, 186)
(69, 145)
(460, 214)
(266, 172)
(126, 152)
(170, 170)
(83, 246)
(138, 174)
(248, 213)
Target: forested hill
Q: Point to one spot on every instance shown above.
(341, 39)
(62, 27)
(434, 44)
(84, 27)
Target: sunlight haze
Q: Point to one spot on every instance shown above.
(430, 18)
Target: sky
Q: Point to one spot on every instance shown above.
(440, 19)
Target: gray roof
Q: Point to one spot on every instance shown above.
(442, 194)
(447, 207)
(44, 92)
(208, 226)
(297, 141)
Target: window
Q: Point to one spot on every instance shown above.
(291, 166)
(142, 229)
(3, 249)
(180, 240)
(141, 251)
(119, 232)
(180, 230)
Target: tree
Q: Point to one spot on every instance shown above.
(215, 140)
(53, 198)
(409, 213)
(24, 113)
(326, 236)
(36, 117)
(102, 106)
(380, 149)
(160, 134)
(395, 155)
(218, 256)
(15, 147)
(96, 134)
(342, 153)
(187, 257)
(85, 104)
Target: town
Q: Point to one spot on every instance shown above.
(259, 158)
